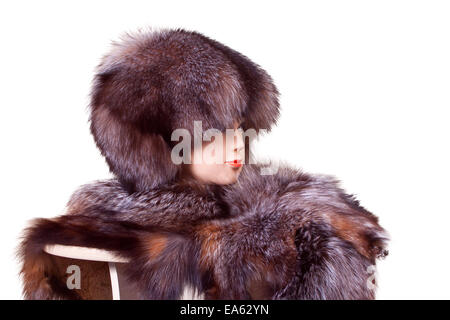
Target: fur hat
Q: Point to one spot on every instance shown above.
(154, 82)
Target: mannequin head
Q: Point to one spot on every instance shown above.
(220, 160)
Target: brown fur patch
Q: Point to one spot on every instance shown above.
(352, 231)
(156, 243)
(34, 282)
(258, 286)
(208, 236)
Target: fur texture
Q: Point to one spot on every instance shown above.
(152, 83)
(286, 236)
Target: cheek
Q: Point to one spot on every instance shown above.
(223, 174)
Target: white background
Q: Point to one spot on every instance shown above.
(364, 92)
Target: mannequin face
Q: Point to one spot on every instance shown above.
(219, 163)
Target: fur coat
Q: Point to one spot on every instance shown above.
(290, 235)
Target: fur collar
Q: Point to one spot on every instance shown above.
(285, 236)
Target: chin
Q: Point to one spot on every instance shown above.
(233, 178)
(226, 175)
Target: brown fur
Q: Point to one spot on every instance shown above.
(288, 236)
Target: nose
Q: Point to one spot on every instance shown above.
(238, 140)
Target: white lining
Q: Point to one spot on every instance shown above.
(83, 253)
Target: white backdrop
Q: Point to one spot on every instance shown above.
(364, 93)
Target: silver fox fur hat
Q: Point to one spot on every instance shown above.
(154, 82)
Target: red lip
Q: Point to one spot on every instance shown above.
(234, 163)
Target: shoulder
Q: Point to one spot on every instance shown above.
(293, 197)
(286, 186)
(168, 206)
